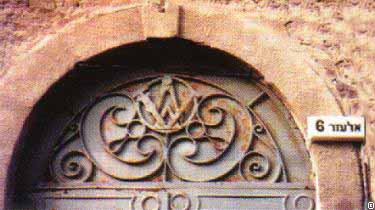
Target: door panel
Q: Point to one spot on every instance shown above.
(212, 196)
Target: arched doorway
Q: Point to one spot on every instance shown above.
(286, 66)
(162, 125)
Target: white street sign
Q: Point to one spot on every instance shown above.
(336, 128)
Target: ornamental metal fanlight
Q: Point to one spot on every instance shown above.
(173, 141)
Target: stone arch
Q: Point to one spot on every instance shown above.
(265, 46)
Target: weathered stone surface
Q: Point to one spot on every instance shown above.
(340, 34)
(161, 20)
(331, 174)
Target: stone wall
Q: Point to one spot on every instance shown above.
(339, 34)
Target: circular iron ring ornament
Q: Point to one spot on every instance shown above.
(101, 153)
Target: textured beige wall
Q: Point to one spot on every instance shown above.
(339, 34)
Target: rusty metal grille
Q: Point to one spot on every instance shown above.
(173, 141)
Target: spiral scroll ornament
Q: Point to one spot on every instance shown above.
(255, 166)
(72, 167)
(263, 162)
(211, 139)
(116, 141)
(186, 128)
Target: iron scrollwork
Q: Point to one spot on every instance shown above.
(170, 126)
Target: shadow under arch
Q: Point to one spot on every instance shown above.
(63, 99)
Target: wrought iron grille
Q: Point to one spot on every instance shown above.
(173, 141)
